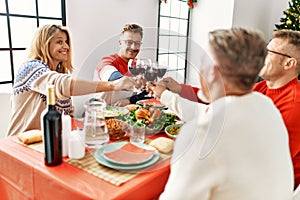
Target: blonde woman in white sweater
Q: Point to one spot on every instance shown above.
(49, 62)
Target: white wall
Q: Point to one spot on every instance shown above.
(5, 112)
(207, 15)
(213, 14)
(262, 15)
(95, 26)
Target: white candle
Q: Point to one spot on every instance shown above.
(76, 145)
(66, 130)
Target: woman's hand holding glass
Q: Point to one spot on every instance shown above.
(125, 83)
(140, 82)
(156, 89)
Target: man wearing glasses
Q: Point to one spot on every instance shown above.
(115, 66)
(280, 74)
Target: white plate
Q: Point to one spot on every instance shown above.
(114, 146)
(129, 154)
(114, 111)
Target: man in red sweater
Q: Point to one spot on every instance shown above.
(114, 66)
(280, 74)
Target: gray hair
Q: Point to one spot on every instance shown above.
(240, 54)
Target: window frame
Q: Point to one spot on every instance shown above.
(61, 19)
(160, 35)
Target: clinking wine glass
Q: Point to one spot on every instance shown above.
(151, 74)
(134, 67)
(161, 70)
(137, 67)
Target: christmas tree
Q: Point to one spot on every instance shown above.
(292, 17)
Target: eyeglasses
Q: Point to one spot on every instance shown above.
(130, 42)
(282, 54)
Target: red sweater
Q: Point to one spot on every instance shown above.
(287, 100)
(190, 93)
(116, 61)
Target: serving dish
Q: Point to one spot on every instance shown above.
(114, 111)
(117, 129)
(173, 130)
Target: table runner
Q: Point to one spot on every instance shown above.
(35, 146)
(116, 177)
(91, 166)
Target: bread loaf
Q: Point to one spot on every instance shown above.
(31, 136)
(162, 144)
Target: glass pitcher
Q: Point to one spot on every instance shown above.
(96, 133)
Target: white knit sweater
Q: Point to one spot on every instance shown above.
(235, 149)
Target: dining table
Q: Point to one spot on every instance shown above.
(23, 175)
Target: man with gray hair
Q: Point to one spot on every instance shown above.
(237, 145)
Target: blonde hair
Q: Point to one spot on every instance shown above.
(39, 49)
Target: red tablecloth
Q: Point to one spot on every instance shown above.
(23, 175)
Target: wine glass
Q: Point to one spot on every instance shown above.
(161, 70)
(134, 67)
(151, 74)
(138, 67)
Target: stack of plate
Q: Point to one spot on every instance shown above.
(151, 103)
(127, 156)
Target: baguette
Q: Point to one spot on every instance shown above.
(31, 136)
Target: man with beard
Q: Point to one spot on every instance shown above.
(281, 84)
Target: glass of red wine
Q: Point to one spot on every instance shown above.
(161, 70)
(151, 74)
(137, 67)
